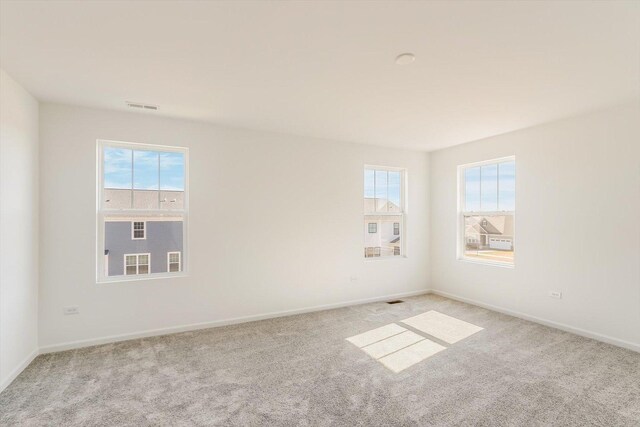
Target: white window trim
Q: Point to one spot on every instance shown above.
(144, 231)
(137, 255)
(404, 208)
(460, 239)
(101, 277)
(169, 262)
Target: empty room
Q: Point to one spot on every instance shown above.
(319, 213)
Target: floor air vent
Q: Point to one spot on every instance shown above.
(398, 301)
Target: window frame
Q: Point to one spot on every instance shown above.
(169, 261)
(462, 213)
(144, 231)
(375, 227)
(102, 212)
(137, 255)
(403, 213)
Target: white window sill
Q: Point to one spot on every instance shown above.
(140, 277)
(489, 263)
(386, 258)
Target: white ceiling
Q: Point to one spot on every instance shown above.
(327, 69)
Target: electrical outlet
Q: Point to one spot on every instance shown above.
(353, 278)
(555, 294)
(72, 309)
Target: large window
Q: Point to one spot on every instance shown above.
(487, 211)
(384, 211)
(142, 210)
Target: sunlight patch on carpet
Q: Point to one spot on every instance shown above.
(376, 335)
(392, 344)
(438, 325)
(395, 347)
(409, 356)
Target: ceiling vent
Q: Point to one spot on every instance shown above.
(142, 106)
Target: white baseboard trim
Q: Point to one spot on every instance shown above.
(225, 322)
(582, 332)
(18, 370)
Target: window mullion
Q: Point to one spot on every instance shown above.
(386, 192)
(159, 191)
(480, 187)
(488, 213)
(375, 191)
(132, 178)
(498, 186)
(136, 212)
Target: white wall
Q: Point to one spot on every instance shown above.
(577, 224)
(18, 228)
(275, 225)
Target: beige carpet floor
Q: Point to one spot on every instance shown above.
(301, 370)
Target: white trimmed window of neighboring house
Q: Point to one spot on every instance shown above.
(138, 230)
(384, 211)
(371, 252)
(486, 223)
(138, 185)
(135, 264)
(173, 262)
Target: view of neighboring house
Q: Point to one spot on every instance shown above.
(382, 232)
(137, 245)
(493, 232)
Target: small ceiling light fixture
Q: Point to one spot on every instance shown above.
(405, 58)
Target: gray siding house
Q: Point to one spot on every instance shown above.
(155, 238)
